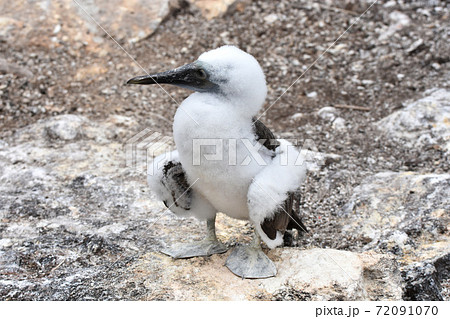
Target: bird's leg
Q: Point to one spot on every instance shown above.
(211, 229)
(250, 262)
(210, 245)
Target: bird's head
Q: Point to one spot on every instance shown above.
(226, 71)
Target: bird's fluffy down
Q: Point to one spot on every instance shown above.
(270, 188)
(240, 77)
(243, 190)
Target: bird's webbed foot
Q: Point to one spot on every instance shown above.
(206, 247)
(249, 261)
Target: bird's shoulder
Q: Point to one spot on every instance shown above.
(264, 135)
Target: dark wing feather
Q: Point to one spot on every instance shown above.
(174, 180)
(286, 217)
(264, 135)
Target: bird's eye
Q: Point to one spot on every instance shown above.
(201, 74)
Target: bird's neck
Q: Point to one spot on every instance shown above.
(242, 106)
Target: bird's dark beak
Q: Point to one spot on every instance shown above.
(190, 76)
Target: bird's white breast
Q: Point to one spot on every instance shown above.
(223, 181)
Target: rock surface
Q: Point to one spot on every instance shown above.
(407, 215)
(214, 8)
(76, 21)
(69, 206)
(59, 233)
(426, 280)
(423, 123)
(12, 68)
(404, 213)
(317, 274)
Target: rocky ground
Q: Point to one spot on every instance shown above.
(77, 223)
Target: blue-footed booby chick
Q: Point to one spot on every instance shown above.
(226, 160)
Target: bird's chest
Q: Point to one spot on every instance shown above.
(212, 143)
(213, 152)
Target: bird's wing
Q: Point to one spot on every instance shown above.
(273, 196)
(170, 183)
(264, 135)
(175, 182)
(287, 216)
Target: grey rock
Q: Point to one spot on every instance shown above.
(327, 113)
(312, 95)
(398, 21)
(403, 213)
(315, 274)
(74, 218)
(64, 127)
(339, 124)
(423, 280)
(317, 160)
(297, 116)
(126, 20)
(214, 8)
(6, 67)
(328, 274)
(436, 66)
(421, 123)
(271, 18)
(416, 45)
(70, 210)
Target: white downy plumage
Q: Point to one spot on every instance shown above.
(231, 184)
(270, 187)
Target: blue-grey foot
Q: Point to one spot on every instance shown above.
(206, 247)
(249, 261)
